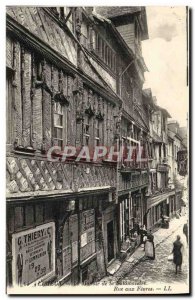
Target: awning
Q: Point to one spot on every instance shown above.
(153, 201)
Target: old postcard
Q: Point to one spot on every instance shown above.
(97, 147)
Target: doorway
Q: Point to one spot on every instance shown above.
(110, 240)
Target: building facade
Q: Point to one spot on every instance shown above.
(75, 79)
(132, 179)
(57, 95)
(161, 194)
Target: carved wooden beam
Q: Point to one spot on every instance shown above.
(37, 44)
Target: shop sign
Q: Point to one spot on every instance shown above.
(33, 254)
(66, 255)
(73, 223)
(162, 168)
(74, 252)
(83, 239)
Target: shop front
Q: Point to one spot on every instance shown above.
(158, 209)
(131, 219)
(64, 239)
(31, 236)
(109, 234)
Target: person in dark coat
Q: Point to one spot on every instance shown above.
(185, 231)
(149, 246)
(177, 254)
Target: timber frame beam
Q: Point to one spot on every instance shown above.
(22, 34)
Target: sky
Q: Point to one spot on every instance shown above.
(165, 55)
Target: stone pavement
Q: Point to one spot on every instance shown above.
(161, 270)
(160, 236)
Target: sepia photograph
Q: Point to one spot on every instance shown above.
(97, 150)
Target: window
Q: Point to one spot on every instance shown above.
(29, 215)
(37, 68)
(164, 150)
(39, 213)
(19, 217)
(9, 97)
(175, 151)
(136, 208)
(48, 213)
(86, 130)
(160, 150)
(126, 221)
(104, 51)
(106, 55)
(97, 132)
(58, 124)
(163, 124)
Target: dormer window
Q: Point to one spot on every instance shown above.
(103, 50)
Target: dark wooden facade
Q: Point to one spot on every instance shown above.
(75, 82)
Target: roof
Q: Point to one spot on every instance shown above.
(43, 27)
(148, 98)
(164, 111)
(116, 11)
(183, 132)
(147, 92)
(113, 12)
(122, 42)
(115, 32)
(171, 134)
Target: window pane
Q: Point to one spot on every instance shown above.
(57, 120)
(9, 96)
(55, 106)
(39, 213)
(60, 143)
(29, 215)
(48, 211)
(19, 217)
(58, 108)
(57, 133)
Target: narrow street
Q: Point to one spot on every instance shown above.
(161, 270)
(96, 149)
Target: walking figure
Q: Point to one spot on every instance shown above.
(185, 231)
(177, 254)
(149, 246)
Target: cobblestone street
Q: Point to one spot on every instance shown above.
(138, 268)
(161, 270)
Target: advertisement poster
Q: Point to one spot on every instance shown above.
(33, 254)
